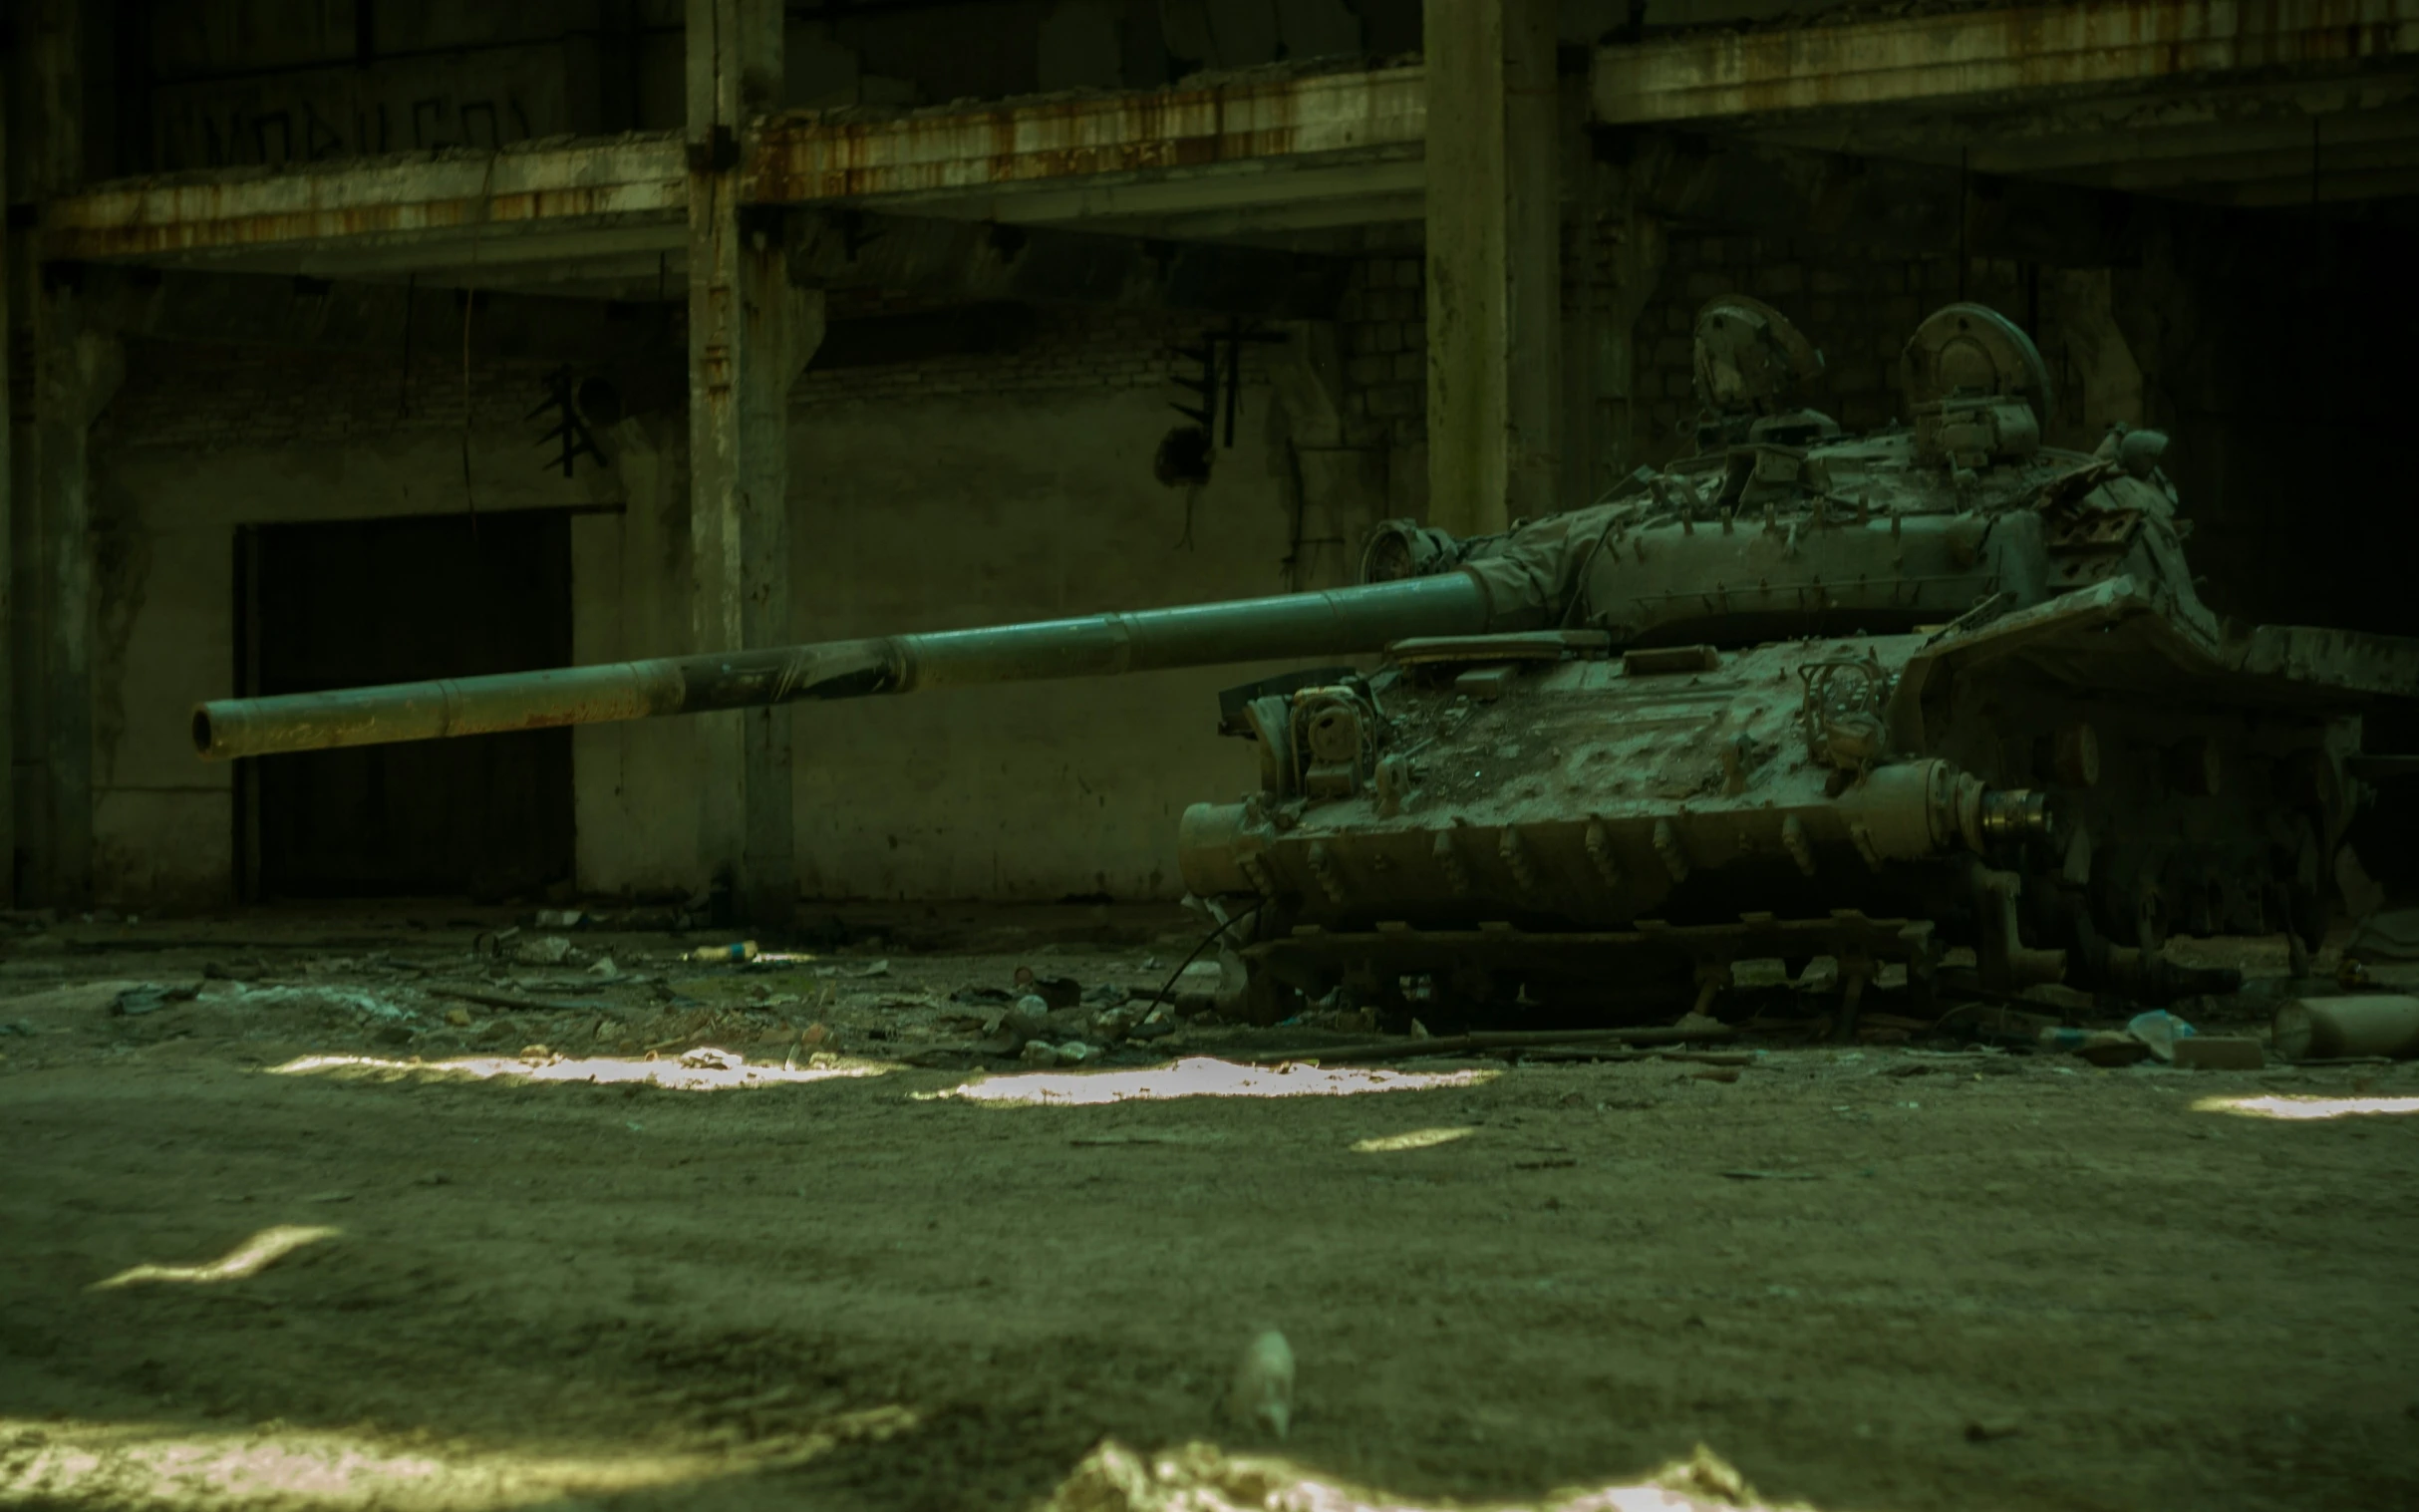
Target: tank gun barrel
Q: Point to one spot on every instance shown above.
(1334, 622)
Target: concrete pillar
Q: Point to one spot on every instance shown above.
(1494, 263)
(74, 373)
(10, 252)
(750, 332)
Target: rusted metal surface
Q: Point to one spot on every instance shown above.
(1239, 127)
(638, 180)
(1263, 121)
(2096, 44)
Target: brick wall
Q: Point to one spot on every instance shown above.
(188, 394)
(1386, 341)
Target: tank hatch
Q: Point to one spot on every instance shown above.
(1976, 386)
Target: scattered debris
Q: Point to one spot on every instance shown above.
(1042, 1052)
(1984, 1429)
(1135, 1019)
(1056, 991)
(1756, 1175)
(2390, 936)
(545, 950)
(149, 998)
(873, 969)
(743, 949)
(2100, 1047)
(2320, 1029)
(1422, 1043)
(559, 918)
(2220, 1052)
(513, 1004)
(1261, 1395)
(2159, 1030)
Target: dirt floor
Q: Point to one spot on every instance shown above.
(1887, 1275)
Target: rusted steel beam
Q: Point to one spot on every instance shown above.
(1247, 123)
(1986, 55)
(443, 198)
(973, 261)
(637, 186)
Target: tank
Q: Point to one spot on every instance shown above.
(1940, 703)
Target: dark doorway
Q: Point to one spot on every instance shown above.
(355, 602)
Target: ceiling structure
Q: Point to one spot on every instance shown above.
(2276, 105)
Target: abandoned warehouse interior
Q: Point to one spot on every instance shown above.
(2054, 351)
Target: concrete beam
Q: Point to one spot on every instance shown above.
(1304, 149)
(2338, 186)
(1494, 266)
(966, 260)
(1273, 195)
(1239, 127)
(260, 309)
(1900, 208)
(2310, 161)
(2048, 138)
(1279, 224)
(619, 194)
(1993, 54)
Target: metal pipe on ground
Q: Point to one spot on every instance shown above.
(2331, 1028)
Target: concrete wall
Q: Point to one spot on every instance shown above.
(967, 492)
(163, 820)
(947, 514)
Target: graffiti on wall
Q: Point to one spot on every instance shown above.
(353, 113)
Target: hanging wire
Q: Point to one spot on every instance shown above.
(403, 397)
(1167, 993)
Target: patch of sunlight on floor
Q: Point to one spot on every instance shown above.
(1416, 1140)
(2300, 1109)
(1199, 1478)
(1202, 1076)
(162, 1467)
(247, 1259)
(700, 1071)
